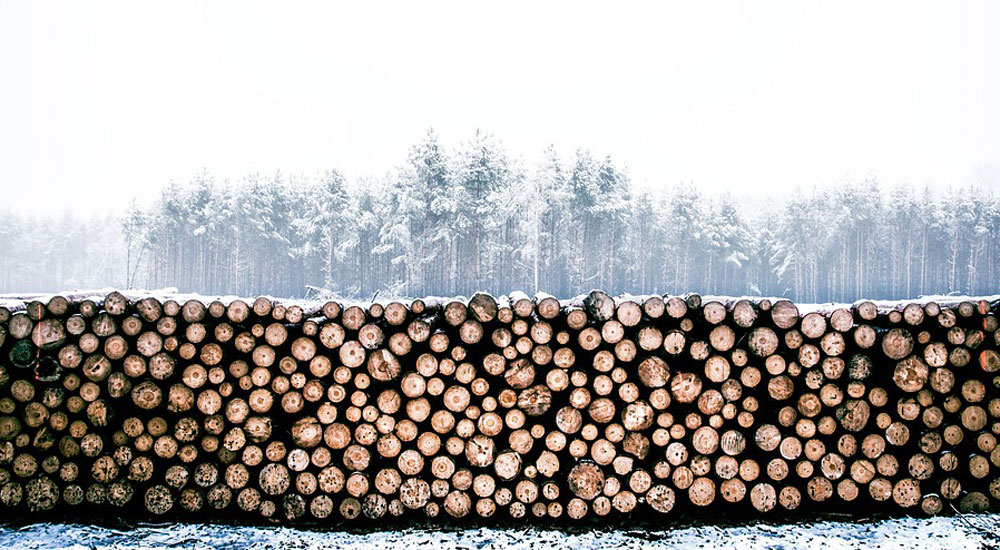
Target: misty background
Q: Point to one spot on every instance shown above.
(813, 151)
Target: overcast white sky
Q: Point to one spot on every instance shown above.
(100, 101)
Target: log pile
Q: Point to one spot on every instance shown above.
(507, 408)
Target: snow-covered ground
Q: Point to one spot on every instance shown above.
(944, 533)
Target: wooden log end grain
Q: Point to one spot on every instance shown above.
(522, 408)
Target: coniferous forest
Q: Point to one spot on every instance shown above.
(474, 217)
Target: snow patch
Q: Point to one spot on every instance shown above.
(941, 533)
(17, 301)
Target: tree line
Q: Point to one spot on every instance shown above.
(451, 222)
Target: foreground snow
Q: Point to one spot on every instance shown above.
(944, 533)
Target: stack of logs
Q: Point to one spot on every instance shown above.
(515, 407)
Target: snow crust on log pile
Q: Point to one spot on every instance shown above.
(17, 301)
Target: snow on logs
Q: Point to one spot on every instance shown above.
(485, 408)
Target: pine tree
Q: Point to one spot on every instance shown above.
(481, 170)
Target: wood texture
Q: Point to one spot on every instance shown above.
(492, 408)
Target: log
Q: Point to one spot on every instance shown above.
(523, 407)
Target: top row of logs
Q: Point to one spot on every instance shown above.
(484, 308)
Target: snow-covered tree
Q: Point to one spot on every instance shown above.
(450, 223)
